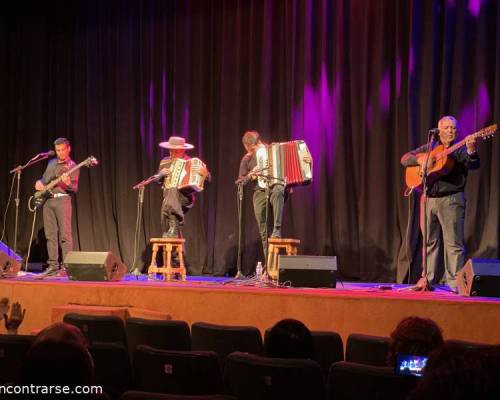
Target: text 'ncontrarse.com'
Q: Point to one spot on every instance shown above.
(49, 389)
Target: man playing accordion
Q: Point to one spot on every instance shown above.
(182, 177)
(278, 190)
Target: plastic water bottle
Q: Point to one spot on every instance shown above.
(258, 270)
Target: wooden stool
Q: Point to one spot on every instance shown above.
(167, 245)
(273, 249)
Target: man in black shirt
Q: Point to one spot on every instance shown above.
(57, 210)
(277, 192)
(445, 203)
(248, 169)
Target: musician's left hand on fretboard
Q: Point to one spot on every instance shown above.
(470, 142)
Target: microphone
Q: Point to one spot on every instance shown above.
(242, 179)
(49, 153)
(152, 178)
(246, 178)
(160, 174)
(434, 133)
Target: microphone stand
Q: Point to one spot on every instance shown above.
(423, 285)
(140, 201)
(239, 274)
(18, 170)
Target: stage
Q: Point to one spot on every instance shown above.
(350, 308)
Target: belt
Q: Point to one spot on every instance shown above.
(439, 195)
(56, 195)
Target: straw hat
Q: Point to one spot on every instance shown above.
(176, 142)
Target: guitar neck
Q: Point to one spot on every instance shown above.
(483, 133)
(55, 182)
(451, 149)
(456, 146)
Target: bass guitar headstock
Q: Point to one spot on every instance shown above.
(91, 161)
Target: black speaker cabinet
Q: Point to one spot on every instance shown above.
(10, 262)
(479, 277)
(307, 271)
(94, 266)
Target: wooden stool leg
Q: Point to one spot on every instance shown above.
(168, 272)
(269, 263)
(181, 262)
(165, 256)
(275, 263)
(152, 265)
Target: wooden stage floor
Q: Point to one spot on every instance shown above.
(352, 308)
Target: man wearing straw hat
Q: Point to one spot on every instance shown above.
(176, 202)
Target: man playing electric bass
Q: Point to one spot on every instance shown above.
(57, 209)
(445, 198)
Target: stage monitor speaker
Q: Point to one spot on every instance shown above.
(10, 262)
(307, 271)
(94, 266)
(479, 277)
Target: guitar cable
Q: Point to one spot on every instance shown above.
(137, 232)
(7, 206)
(407, 235)
(31, 239)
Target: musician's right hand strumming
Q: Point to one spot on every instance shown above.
(39, 185)
(430, 161)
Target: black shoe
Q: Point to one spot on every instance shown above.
(173, 230)
(276, 234)
(50, 271)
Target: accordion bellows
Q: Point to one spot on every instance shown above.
(182, 175)
(284, 164)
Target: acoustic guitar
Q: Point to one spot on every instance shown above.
(39, 198)
(443, 163)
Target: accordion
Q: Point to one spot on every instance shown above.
(284, 164)
(182, 175)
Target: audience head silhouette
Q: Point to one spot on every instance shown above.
(58, 356)
(414, 335)
(290, 338)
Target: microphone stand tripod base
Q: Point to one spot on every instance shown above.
(239, 275)
(136, 272)
(423, 285)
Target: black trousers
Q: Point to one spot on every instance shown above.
(277, 197)
(57, 226)
(175, 205)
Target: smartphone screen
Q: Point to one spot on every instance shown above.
(408, 364)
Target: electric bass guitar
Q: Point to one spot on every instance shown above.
(39, 198)
(443, 163)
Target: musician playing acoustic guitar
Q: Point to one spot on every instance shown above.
(57, 209)
(176, 202)
(445, 201)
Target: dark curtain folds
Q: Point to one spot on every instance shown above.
(360, 81)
